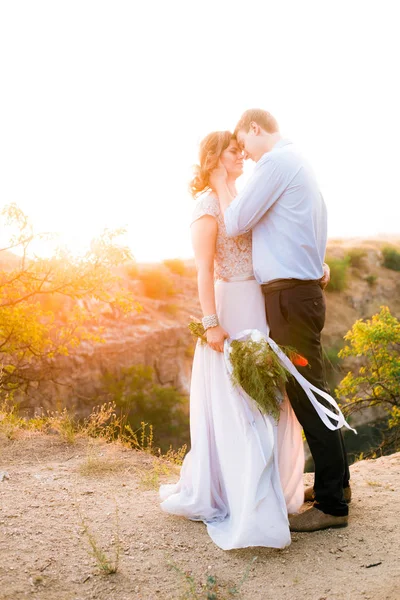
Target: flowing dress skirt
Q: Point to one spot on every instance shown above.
(244, 472)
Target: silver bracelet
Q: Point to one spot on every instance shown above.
(210, 321)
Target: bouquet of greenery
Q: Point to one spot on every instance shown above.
(257, 369)
(196, 328)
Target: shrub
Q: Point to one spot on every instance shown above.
(171, 310)
(371, 279)
(391, 258)
(141, 400)
(356, 257)
(339, 269)
(175, 265)
(376, 343)
(157, 284)
(46, 304)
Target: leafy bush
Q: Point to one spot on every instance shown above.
(376, 342)
(141, 400)
(356, 257)
(371, 279)
(339, 270)
(157, 284)
(170, 310)
(175, 265)
(391, 258)
(46, 304)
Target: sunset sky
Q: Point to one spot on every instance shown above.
(103, 105)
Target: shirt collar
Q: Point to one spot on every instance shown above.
(281, 143)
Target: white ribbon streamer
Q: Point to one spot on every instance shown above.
(323, 412)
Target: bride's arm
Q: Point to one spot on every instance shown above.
(204, 236)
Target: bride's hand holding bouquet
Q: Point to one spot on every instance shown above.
(215, 337)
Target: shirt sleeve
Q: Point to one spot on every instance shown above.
(263, 189)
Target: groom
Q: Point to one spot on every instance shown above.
(283, 207)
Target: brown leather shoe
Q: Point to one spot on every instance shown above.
(313, 519)
(309, 495)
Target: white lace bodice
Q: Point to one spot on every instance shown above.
(232, 255)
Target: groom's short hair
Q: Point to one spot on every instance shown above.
(263, 118)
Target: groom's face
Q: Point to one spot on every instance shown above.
(250, 142)
(246, 142)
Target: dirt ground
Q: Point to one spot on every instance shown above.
(56, 493)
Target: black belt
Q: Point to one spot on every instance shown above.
(284, 284)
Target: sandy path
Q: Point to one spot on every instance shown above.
(44, 550)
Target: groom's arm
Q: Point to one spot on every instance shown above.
(266, 185)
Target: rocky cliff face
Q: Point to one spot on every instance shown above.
(158, 336)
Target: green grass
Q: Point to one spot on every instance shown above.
(211, 588)
(105, 564)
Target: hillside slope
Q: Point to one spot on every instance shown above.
(158, 335)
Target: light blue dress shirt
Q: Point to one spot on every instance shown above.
(284, 208)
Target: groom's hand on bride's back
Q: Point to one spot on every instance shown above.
(216, 337)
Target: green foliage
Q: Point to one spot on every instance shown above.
(376, 343)
(197, 330)
(371, 280)
(157, 284)
(105, 565)
(391, 258)
(44, 309)
(257, 370)
(175, 265)
(355, 257)
(394, 421)
(139, 399)
(339, 271)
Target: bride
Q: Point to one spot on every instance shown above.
(244, 471)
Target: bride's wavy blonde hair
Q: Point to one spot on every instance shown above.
(211, 148)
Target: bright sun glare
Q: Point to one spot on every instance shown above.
(104, 105)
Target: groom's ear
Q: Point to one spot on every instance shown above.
(254, 128)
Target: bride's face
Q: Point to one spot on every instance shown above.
(232, 159)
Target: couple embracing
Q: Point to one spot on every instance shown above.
(260, 263)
